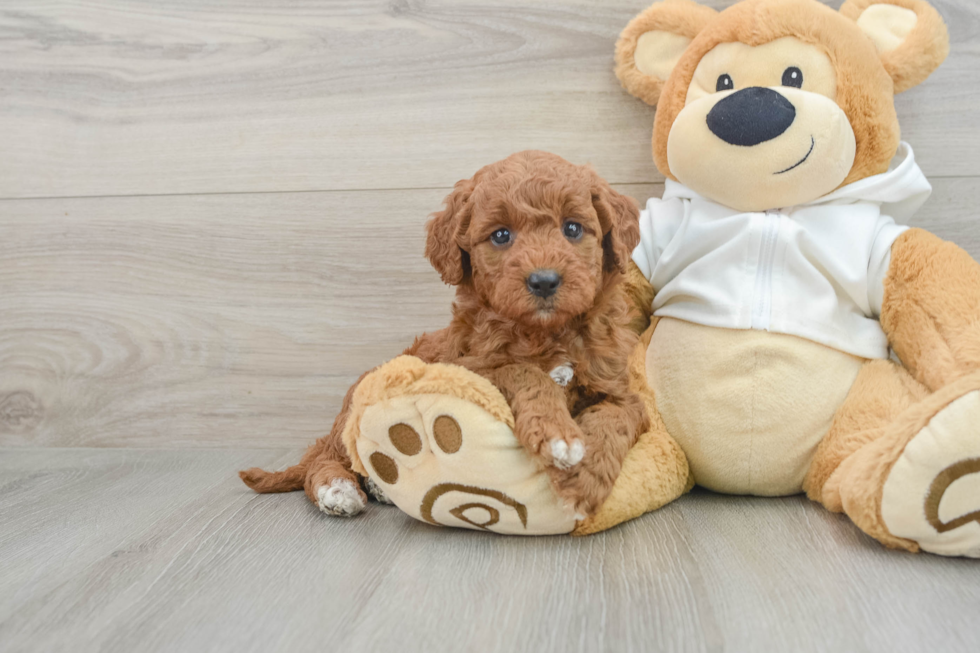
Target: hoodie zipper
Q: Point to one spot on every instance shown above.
(762, 306)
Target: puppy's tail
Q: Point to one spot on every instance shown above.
(263, 482)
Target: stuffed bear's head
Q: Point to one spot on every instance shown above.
(772, 103)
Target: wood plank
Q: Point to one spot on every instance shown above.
(123, 550)
(785, 573)
(64, 510)
(228, 320)
(124, 97)
(219, 315)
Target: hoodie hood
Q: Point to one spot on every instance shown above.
(901, 191)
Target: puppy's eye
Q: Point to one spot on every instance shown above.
(500, 237)
(725, 83)
(793, 76)
(572, 230)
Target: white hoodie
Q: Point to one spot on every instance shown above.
(815, 270)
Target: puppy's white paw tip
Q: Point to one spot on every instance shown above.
(562, 375)
(340, 498)
(565, 455)
(376, 492)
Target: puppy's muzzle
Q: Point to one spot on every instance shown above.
(543, 283)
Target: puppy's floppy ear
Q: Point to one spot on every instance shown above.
(653, 42)
(619, 218)
(445, 231)
(910, 35)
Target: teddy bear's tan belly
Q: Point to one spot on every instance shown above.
(748, 407)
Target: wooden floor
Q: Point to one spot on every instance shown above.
(211, 222)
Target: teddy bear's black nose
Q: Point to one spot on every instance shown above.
(751, 116)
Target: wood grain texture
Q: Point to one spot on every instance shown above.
(238, 309)
(130, 97)
(128, 550)
(178, 298)
(232, 320)
(229, 320)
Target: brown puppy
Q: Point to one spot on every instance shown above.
(537, 249)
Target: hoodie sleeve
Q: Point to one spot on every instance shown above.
(881, 255)
(659, 222)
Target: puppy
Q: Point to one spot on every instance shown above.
(537, 249)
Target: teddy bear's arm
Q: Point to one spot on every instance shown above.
(639, 296)
(931, 308)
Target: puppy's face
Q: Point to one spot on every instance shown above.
(534, 237)
(535, 249)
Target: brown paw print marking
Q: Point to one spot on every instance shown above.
(385, 467)
(493, 515)
(430, 498)
(447, 433)
(449, 437)
(408, 442)
(938, 488)
(405, 439)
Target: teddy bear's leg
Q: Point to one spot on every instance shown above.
(910, 475)
(931, 308)
(904, 465)
(438, 441)
(881, 392)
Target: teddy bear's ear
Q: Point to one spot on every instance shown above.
(910, 36)
(653, 42)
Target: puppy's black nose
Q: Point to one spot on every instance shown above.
(543, 283)
(751, 116)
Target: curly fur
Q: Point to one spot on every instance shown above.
(503, 332)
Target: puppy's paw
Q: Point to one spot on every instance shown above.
(341, 498)
(376, 492)
(565, 455)
(579, 491)
(556, 441)
(562, 375)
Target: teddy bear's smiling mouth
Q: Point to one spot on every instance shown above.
(813, 144)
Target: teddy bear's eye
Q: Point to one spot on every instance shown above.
(725, 83)
(500, 237)
(793, 76)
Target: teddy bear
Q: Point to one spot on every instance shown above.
(796, 337)
(781, 275)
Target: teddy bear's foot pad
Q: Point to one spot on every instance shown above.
(446, 461)
(932, 494)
